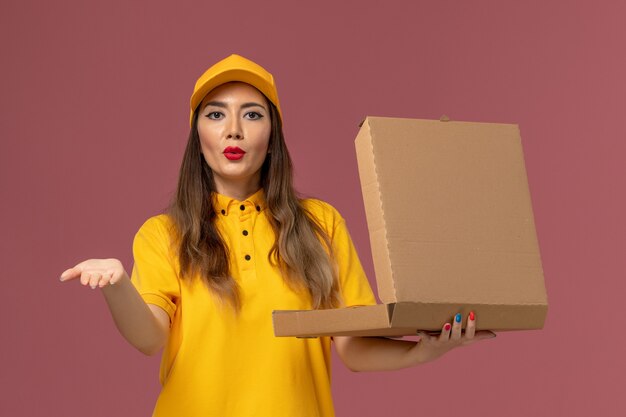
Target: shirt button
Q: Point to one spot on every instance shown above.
(258, 208)
(223, 211)
(245, 233)
(247, 257)
(242, 207)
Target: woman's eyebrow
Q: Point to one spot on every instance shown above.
(216, 104)
(252, 104)
(243, 106)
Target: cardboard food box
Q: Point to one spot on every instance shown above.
(451, 230)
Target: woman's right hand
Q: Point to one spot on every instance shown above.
(97, 273)
(145, 326)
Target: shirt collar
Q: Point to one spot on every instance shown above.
(226, 205)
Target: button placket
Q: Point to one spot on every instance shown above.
(246, 218)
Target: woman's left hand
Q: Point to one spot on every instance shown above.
(431, 347)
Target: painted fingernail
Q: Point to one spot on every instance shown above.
(447, 327)
(471, 315)
(457, 318)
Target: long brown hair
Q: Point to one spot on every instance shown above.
(301, 250)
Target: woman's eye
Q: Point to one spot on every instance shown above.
(254, 115)
(214, 115)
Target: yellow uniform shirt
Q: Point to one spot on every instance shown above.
(218, 364)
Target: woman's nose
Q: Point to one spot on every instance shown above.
(234, 130)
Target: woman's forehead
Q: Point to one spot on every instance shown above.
(234, 90)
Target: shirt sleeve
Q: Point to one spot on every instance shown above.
(154, 274)
(355, 288)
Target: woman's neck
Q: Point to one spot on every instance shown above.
(237, 190)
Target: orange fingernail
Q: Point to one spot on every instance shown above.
(471, 315)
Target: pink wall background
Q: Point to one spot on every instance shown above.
(92, 129)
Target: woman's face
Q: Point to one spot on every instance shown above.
(234, 129)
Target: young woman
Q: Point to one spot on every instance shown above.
(235, 244)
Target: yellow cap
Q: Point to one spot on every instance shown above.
(234, 68)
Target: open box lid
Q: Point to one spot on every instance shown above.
(450, 222)
(449, 212)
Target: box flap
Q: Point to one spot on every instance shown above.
(374, 212)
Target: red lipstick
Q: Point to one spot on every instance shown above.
(233, 153)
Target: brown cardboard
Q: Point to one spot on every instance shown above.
(451, 230)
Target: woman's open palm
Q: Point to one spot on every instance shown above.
(96, 273)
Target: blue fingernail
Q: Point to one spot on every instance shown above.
(457, 318)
